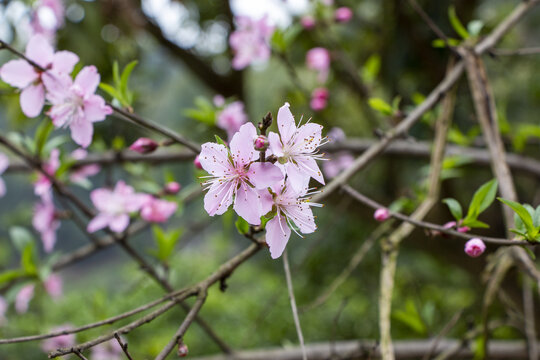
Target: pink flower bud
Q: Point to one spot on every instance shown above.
(144, 146)
(197, 162)
(182, 350)
(449, 225)
(343, 14)
(381, 214)
(172, 187)
(308, 22)
(463, 229)
(261, 143)
(475, 247)
(319, 99)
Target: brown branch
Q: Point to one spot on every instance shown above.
(124, 346)
(514, 52)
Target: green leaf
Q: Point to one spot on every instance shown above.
(529, 251)
(166, 242)
(475, 224)
(455, 208)
(116, 75)
(536, 217)
(371, 68)
(381, 106)
(474, 27)
(524, 215)
(42, 134)
(29, 259)
(20, 237)
(125, 77)
(439, 43)
(482, 198)
(242, 226)
(220, 141)
(110, 90)
(411, 318)
(278, 42)
(456, 23)
(10, 275)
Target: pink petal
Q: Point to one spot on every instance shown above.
(267, 202)
(242, 145)
(277, 235)
(310, 136)
(247, 204)
(310, 166)
(286, 125)
(275, 144)
(214, 158)
(218, 199)
(98, 223)
(119, 223)
(263, 175)
(32, 100)
(48, 238)
(64, 62)
(57, 86)
(88, 79)
(23, 298)
(297, 178)
(18, 73)
(100, 198)
(82, 132)
(95, 108)
(302, 216)
(39, 50)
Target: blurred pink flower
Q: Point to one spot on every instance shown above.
(109, 350)
(231, 118)
(197, 163)
(47, 18)
(114, 207)
(4, 163)
(75, 104)
(343, 14)
(381, 214)
(297, 148)
(475, 247)
(3, 310)
(319, 99)
(22, 75)
(144, 145)
(235, 177)
(23, 297)
(54, 286)
(45, 221)
(292, 209)
(318, 59)
(81, 174)
(57, 342)
(463, 229)
(157, 210)
(336, 134)
(43, 184)
(219, 100)
(249, 41)
(336, 163)
(308, 22)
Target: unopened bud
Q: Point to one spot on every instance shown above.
(381, 214)
(343, 14)
(172, 187)
(144, 146)
(182, 350)
(475, 247)
(260, 143)
(197, 162)
(463, 229)
(449, 225)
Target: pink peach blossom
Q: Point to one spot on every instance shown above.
(109, 350)
(249, 41)
(81, 174)
(308, 22)
(318, 59)
(337, 163)
(157, 210)
(47, 18)
(172, 187)
(45, 221)
(231, 118)
(475, 247)
(4, 163)
(114, 207)
(293, 209)
(297, 148)
(43, 184)
(54, 286)
(23, 298)
(319, 99)
(235, 177)
(22, 75)
(61, 341)
(75, 104)
(343, 14)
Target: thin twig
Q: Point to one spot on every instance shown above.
(290, 289)
(123, 345)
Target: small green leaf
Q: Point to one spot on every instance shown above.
(116, 75)
(439, 43)
(475, 224)
(474, 27)
(456, 23)
(20, 237)
(536, 217)
(371, 68)
(381, 106)
(455, 208)
(242, 226)
(411, 317)
(125, 77)
(29, 259)
(482, 198)
(110, 90)
(42, 134)
(220, 141)
(10, 275)
(524, 215)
